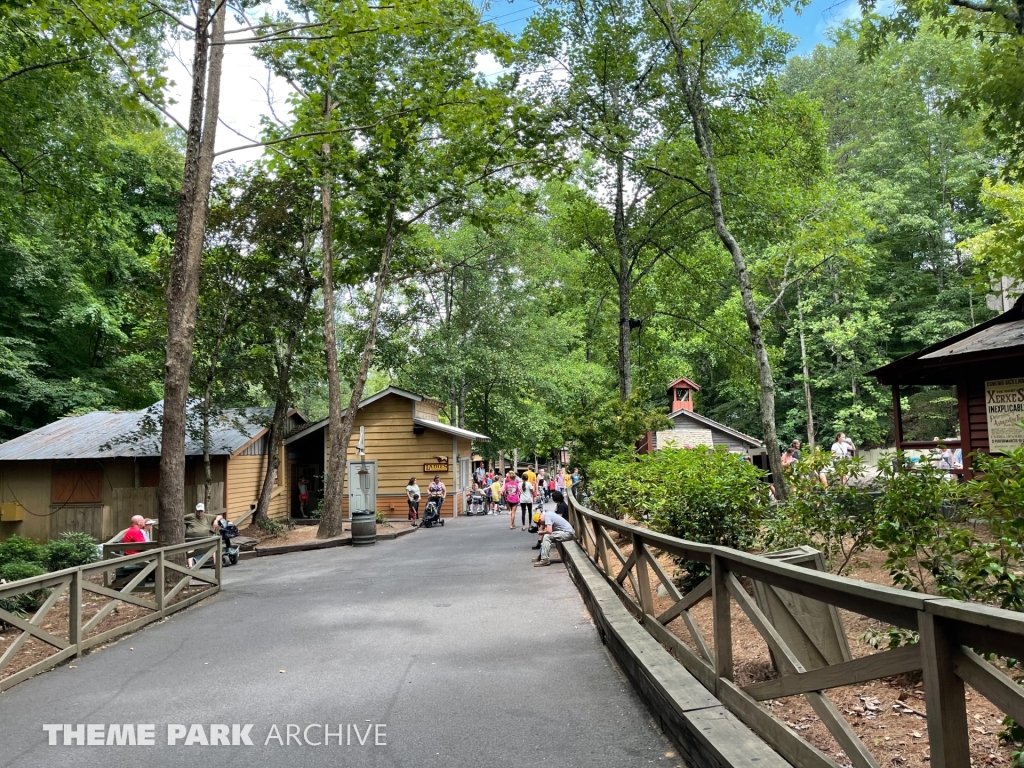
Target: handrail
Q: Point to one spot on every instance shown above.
(155, 566)
(952, 635)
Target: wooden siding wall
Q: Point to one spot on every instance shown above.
(977, 417)
(244, 478)
(31, 482)
(401, 454)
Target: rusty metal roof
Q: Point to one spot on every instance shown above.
(115, 434)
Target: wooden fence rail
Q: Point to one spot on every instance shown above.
(151, 580)
(954, 636)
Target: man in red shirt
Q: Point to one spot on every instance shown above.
(135, 534)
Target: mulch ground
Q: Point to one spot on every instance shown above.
(888, 714)
(56, 623)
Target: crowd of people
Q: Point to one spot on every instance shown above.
(521, 495)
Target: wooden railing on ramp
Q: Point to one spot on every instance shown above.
(152, 582)
(954, 636)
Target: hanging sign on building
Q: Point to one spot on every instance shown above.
(1004, 408)
(435, 466)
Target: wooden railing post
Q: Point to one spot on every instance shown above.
(158, 579)
(643, 576)
(75, 611)
(943, 695)
(220, 561)
(722, 619)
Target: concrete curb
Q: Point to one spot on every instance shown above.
(306, 546)
(707, 734)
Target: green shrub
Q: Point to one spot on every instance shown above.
(29, 601)
(73, 548)
(836, 517)
(702, 494)
(273, 527)
(18, 549)
(925, 550)
(382, 519)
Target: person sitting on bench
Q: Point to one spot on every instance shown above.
(135, 534)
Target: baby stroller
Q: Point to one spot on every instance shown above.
(433, 512)
(477, 504)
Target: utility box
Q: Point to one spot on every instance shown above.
(11, 512)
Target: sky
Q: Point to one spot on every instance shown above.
(245, 87)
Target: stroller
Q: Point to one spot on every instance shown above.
(477, 504)
(432, 514)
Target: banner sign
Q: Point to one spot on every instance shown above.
(435, 466)
(1004, 407)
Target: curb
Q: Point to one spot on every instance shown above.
(305, 546)
(707, 734)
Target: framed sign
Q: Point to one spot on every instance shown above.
(435, 466)
(1004, 409)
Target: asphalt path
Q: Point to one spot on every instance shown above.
(446, 644)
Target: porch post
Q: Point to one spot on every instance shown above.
(965, 427)
(897, 414)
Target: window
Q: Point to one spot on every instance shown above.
(682, 395)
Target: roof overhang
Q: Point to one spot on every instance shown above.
(753, 442)
(429, 424)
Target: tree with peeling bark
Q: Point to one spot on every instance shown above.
(418, 139)
(721, 62)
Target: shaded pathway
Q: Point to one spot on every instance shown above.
(448, 636)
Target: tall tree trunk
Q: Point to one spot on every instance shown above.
(183, 284)
(283, 364)
(623, 278)
(331, 523)
(807, 371)
(274, 438)
(702, 135)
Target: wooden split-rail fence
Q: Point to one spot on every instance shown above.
(954, 637)
(153, 580)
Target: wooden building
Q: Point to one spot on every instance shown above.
(401, 437)
(690, 429)
(986, 365)
(93, 472)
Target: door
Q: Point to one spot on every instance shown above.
(362, 485)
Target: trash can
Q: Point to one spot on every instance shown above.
(364, 527)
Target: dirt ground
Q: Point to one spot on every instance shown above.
(888, 714)
(56, 623)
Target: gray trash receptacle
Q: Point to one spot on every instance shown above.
(364, 527)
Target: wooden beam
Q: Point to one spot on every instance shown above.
(897, 416)
(646, 595)
(965, 427)
(722, 616)
(862, 670)
(943, 695)
(989, 682)
(695, 595)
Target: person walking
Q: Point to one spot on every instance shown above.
(510, 492)
(560, 480)
(526, 495)
(495, 491)
(412, 496)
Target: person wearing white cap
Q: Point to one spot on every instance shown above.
(198, 526)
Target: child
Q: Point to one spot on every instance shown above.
(495, 494)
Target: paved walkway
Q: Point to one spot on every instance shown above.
(469, 656)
